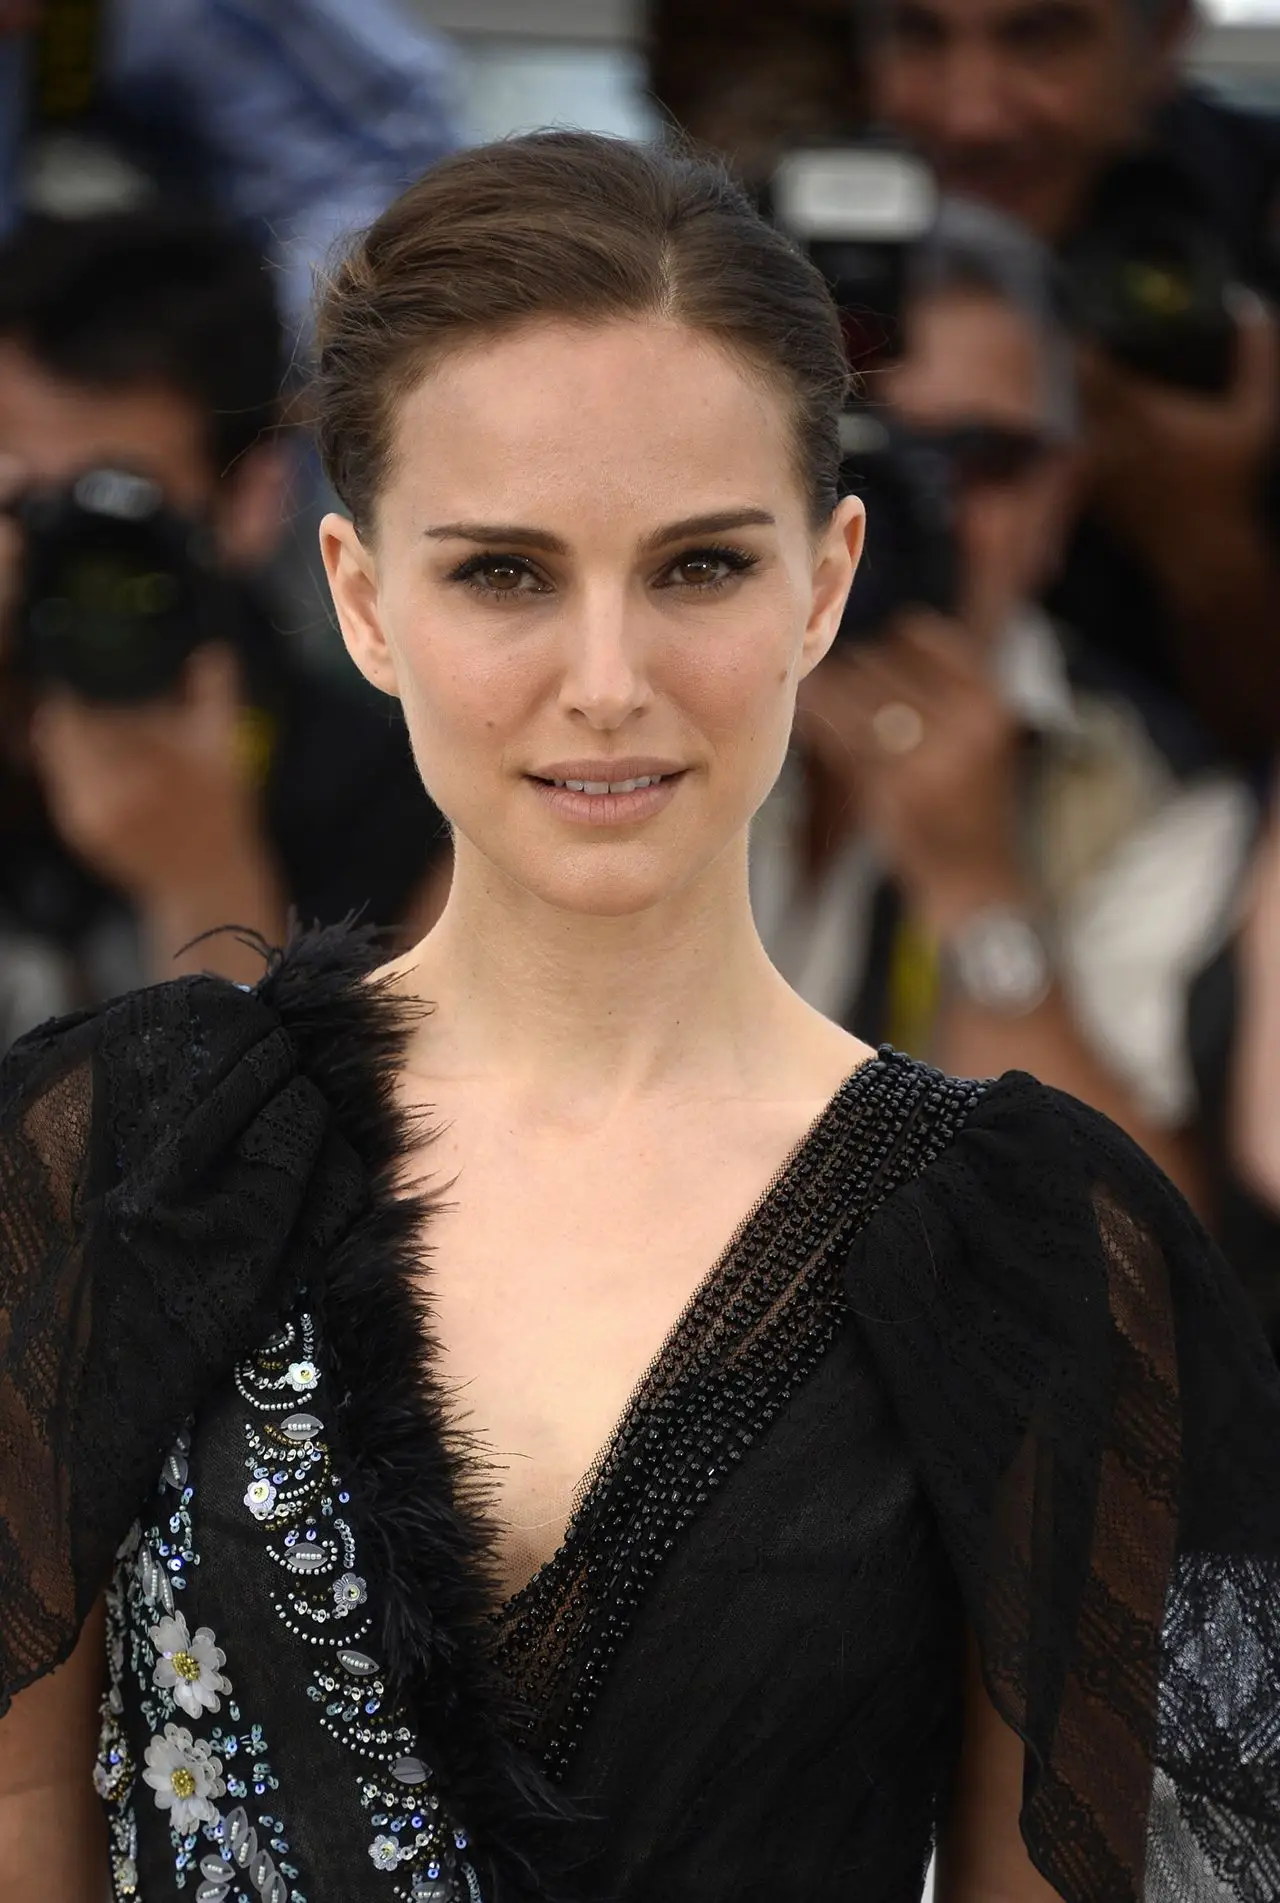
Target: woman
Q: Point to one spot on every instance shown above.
(944, 1500)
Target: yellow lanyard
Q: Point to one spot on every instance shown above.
(914, 989)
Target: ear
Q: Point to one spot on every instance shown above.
(353, 583)
(836, 557)
(251, 505)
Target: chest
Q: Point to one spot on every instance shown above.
(557, 1271)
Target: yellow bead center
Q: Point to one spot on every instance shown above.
(186, 1666)
(184, 1785)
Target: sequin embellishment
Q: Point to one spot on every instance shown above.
(191, 1765)
(322, 1601)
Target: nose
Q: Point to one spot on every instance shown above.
(605, 680)
(973, 98)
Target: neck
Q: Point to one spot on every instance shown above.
(585, 1011)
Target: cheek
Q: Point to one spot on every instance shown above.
(1005, 540)
(457, 679)
(904, 89)
(1088, 100)
(733, 676)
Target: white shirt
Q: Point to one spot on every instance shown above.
(1139, 871)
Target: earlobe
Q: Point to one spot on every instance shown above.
(353, 585)
(836, 561)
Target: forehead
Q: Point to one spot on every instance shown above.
(580, 422)
(968, 355)
(1006, 19)
(54, 428)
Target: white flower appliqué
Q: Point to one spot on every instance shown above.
(188, 1665)
(185, 1776)
(385, 1852)
(349, 1592)
(260, 1497)
(302, 1376)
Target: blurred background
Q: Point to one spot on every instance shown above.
(1029, 818)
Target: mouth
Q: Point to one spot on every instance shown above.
(597, 788)
(608, 802)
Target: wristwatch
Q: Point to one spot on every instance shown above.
(999, 960)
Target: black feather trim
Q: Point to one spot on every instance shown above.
(417, 1479)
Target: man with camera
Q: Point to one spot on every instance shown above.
(970, 856)
(166, 765)
(1071, 116)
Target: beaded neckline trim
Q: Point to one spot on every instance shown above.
(755, 1328)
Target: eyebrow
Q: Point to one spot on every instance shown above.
(516, 535)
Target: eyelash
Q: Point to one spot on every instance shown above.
(738, 561)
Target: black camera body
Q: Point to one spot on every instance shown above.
(1148, 276)
(118, 589)
(912, 553)
(857, 210)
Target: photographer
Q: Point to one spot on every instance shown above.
(1030, 104)
(296, 122)
(972, 857)
(165, 777)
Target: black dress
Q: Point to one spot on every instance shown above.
(970, 1363)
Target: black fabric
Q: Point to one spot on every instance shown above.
(176, 1173)
(1247, 1229)
(1046, 1405)
(785, 1717)
(1095, 1416)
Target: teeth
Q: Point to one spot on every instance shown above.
(596, 787)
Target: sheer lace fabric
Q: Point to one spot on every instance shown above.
(1097, 1422)
(987, 1370)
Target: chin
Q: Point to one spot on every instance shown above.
(617, 878)
(602, 891)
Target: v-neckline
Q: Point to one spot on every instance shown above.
(584, 1493)
(758, 1326)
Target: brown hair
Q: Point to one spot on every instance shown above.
(570, 225)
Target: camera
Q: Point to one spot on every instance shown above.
(857, 210)
(117, 590)
(912, 557)
(1149, 276)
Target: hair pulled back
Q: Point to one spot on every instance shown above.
(569, 225)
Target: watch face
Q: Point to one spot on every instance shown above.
(1001, 962)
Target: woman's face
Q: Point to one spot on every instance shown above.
(593, 566)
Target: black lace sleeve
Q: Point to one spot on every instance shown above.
(158, 1173)
(1095, 1415)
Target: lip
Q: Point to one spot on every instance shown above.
(632, 766)
(607, 809)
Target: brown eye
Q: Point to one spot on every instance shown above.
(503, 577)
(499, 575)
(708, 568)
(699, 569)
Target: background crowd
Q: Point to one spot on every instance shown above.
(1029, 818)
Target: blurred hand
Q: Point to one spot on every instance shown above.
(1166, 467)
(156, 799)
(930, 751)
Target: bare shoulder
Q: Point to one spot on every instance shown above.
(817, 1054)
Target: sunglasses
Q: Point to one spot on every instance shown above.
(989, 455)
